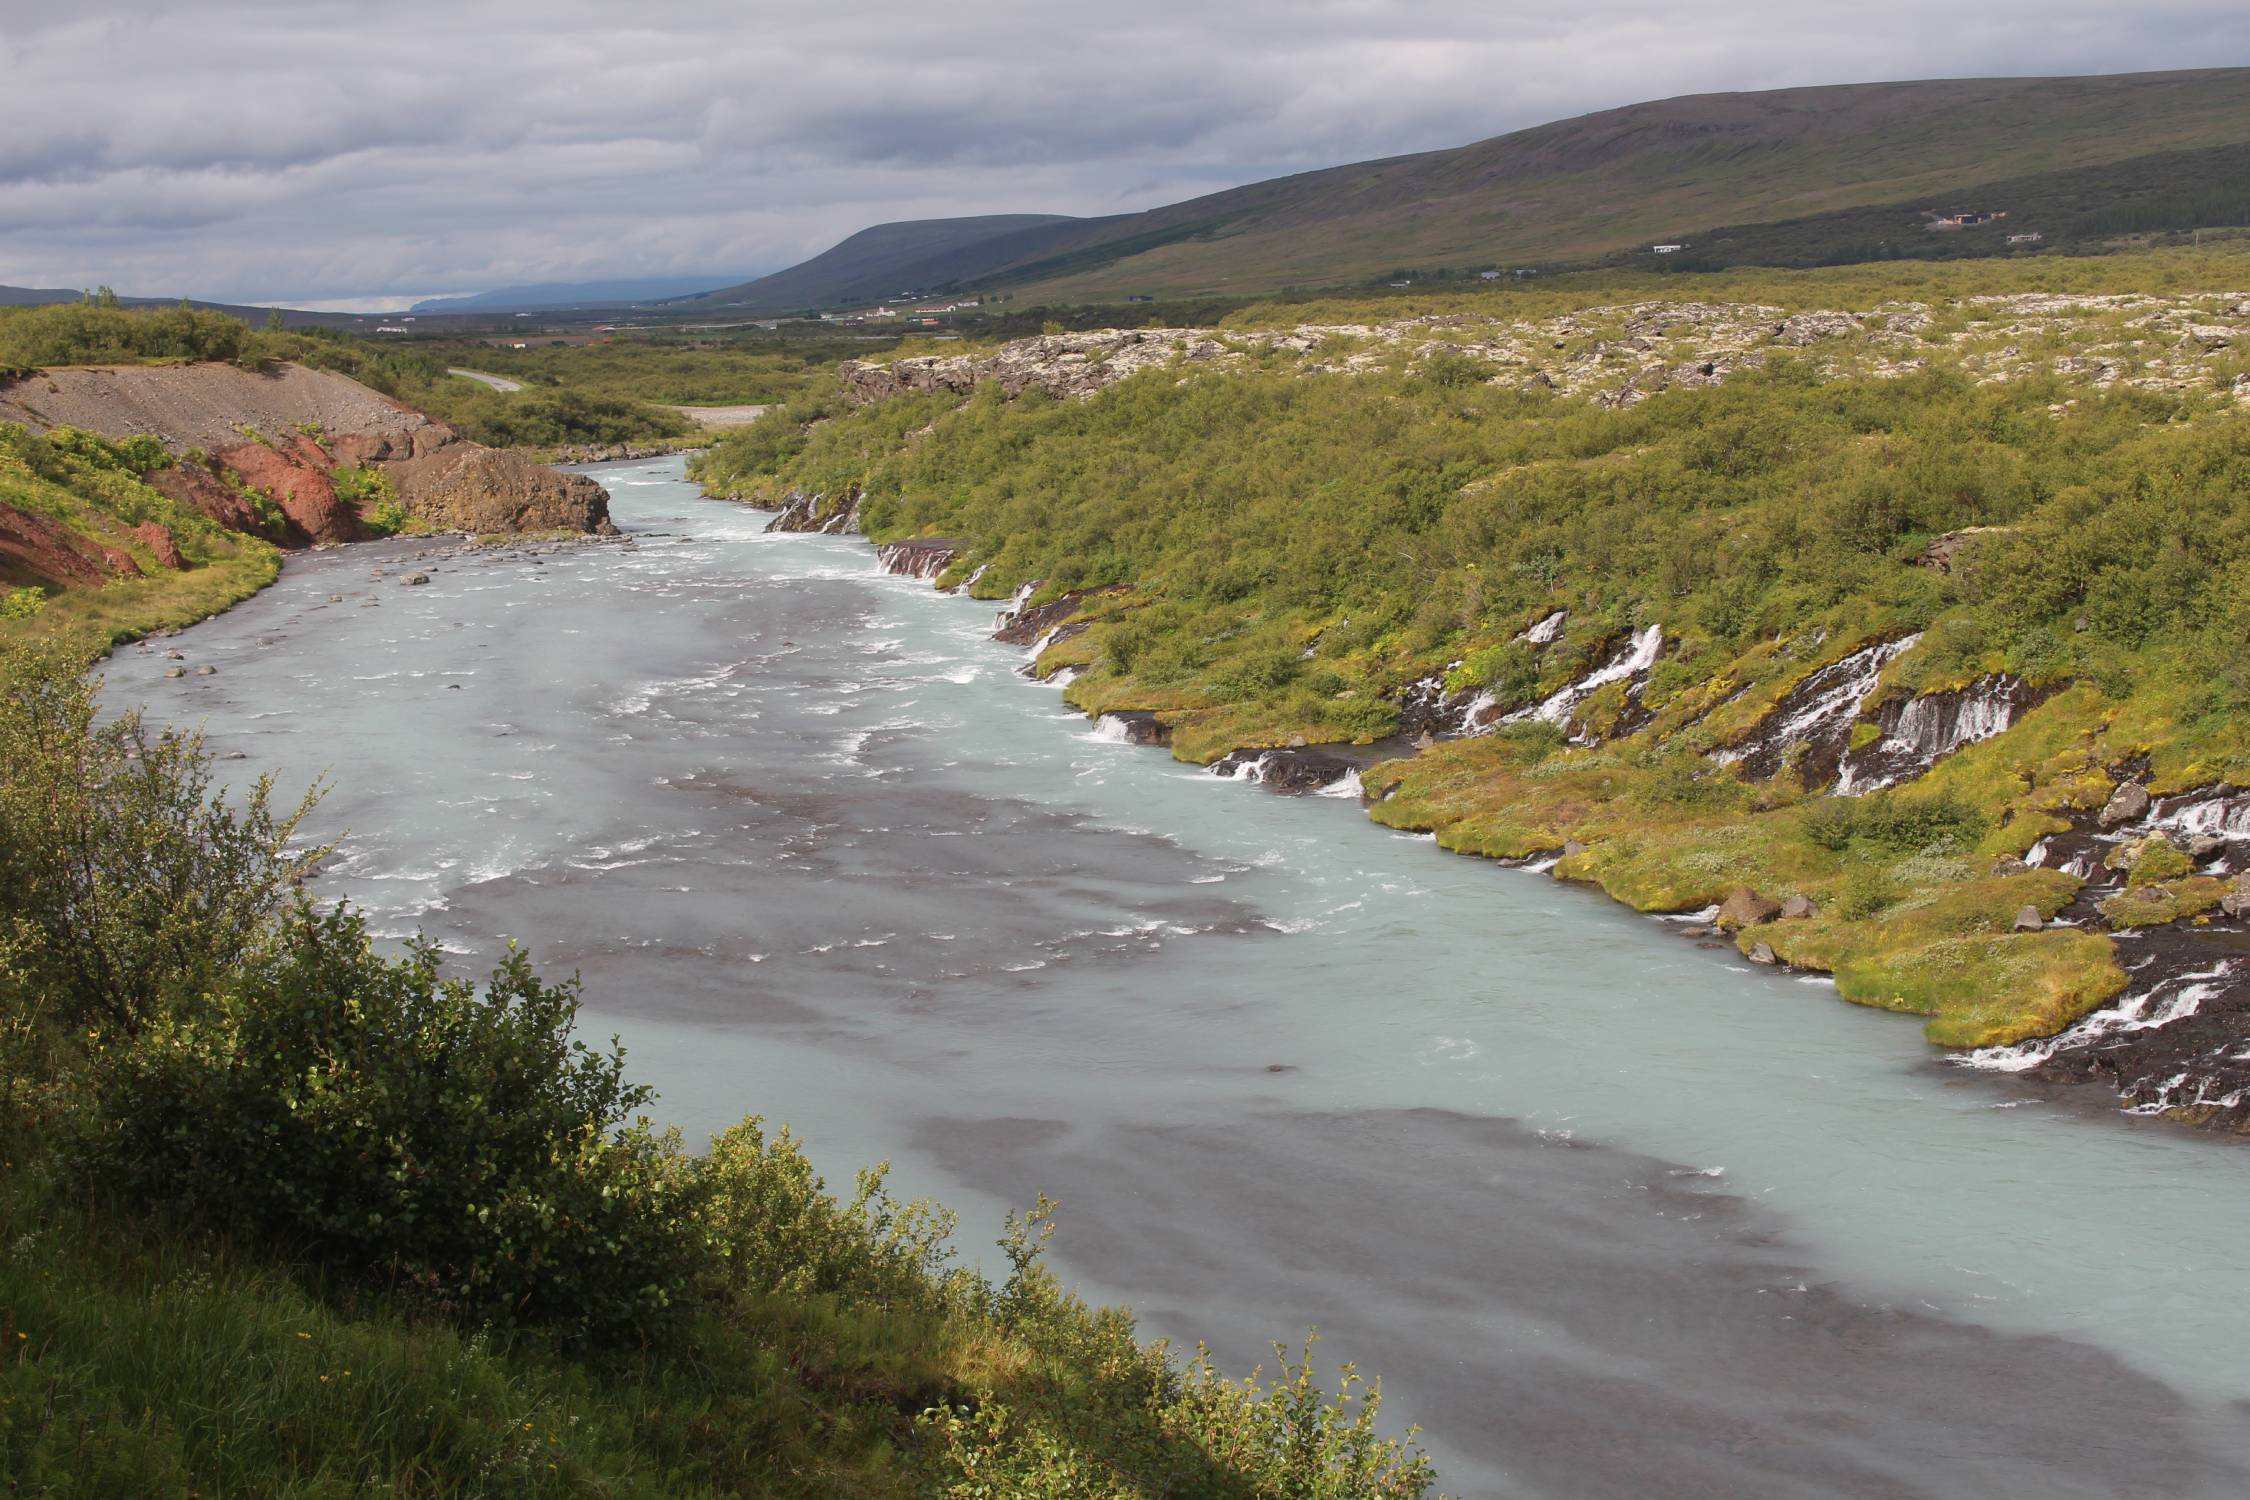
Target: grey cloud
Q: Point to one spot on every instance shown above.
(312, 150)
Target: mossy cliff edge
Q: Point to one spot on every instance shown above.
(1898, 620)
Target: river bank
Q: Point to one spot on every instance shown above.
(820, 850)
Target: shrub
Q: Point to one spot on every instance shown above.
(1913, 823)
(456, 1146)
(774, 1229)
(1866, 891)
(1828, 822)
(23, 603)
(131, 880)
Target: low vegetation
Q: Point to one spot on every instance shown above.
(1289, 536)
(284, 1214)
(89, 507)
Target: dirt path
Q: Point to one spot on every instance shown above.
(499, 383)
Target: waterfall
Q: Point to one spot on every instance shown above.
(1639, 655)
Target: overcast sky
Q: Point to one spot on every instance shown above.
(347, 153)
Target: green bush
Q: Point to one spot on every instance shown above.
(23, 603)
(1912, 823)
(457, 1146)
(131, 881)
(774, 1230)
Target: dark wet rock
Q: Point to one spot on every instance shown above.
(830, 515)
(1025, 627)
(1285, 770)
(2125, 804)
(923, 557)
(176, 655)
(2204, 846)
(2029, 920)
(414, 580)
(2236, 902)
(1799, 907)
(1137, 727)
(335, 598)
(1810, 725)
(1744, 907)
(1762, 953)
(1916, 733)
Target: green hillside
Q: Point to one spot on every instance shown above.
(1848, 172)
(887, 259)
(1285, 534)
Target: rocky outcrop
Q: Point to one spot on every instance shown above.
(1060, 364)
(1293, 769)
(160, 544)
(465, 487)
(923, 557)
(1618, 355)
(38, 549)
(1809, 727)
(828, 515)
(1916, 733)
(1035, 625)
(283, 432)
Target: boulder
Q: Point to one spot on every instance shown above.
(2029, 920)
(1762, 953)
(175, 671)
(1744, 907)
(1573, 847)
(2203, 846)
(414, 580)
(2236, 902)
(2008, 864)
(2128, 802)
(1798, 907)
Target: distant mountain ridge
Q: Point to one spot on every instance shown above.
(553, 296)
(1596, 187)
(889, 259)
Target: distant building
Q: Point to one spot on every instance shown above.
(391, 328)
(1667, 249)
(1490, 275)
(1137, 297)
(2033, 238)
(1969, 220)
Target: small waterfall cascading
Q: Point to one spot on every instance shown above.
(1927, 729)
(1064, 676)
(1349, 786)
(924, 560)
(1639, 654)
(1547, 631)
(1248, 768)
(1817, 712)
(1111, 730)
(2153, 1007)
(1015, 606)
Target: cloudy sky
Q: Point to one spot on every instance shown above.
(350, 153)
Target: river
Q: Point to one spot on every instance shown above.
(1611, 1214)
